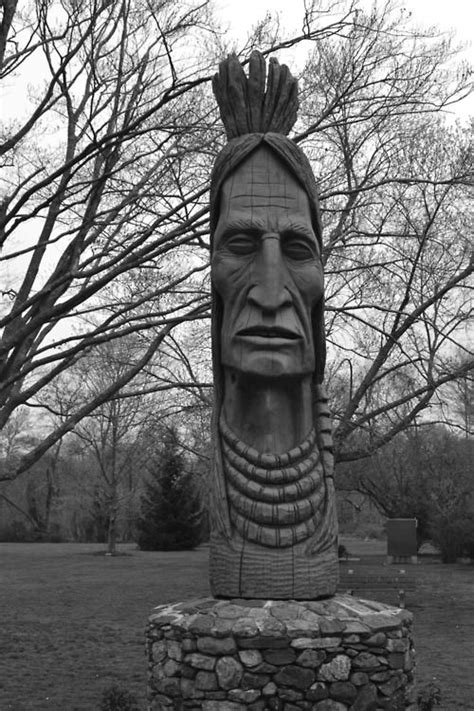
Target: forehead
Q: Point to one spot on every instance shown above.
(263, 190)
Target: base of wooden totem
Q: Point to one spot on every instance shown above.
(239, 655)
(243, 569)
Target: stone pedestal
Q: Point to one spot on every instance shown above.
(339, 654)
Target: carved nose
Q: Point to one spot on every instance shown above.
(269, 291)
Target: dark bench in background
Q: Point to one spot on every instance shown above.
(359, 579)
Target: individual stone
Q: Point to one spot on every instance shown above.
(269, 689)
(201, 625)
(351, 639)
(279, 656)
(366, 699)
(343, 691)
(409, 661)
(312, 658)
(359, 678)
(222, 706)
(175, 650)
(245, 627)
(257, 706)
(188, 645)
(329, 626)
(380, 621)
(211, 645)
(231, 611)
(330, 705)
(171, 667)
(250, 657)
(288, 694)
(392, 685)
(229, 672)
(378, 639)
(270, 627)
(161, 702)
(200, 661)
(206, 681)
(365, 661)
(396, 660)
(222, 627)
(246, 696)
(188, 689)
(317, 692)
(398, 645)
(315, 643)
(187, 671)
(300, 628)
(312, 618)
(336, 670)
(356, 627)
(265, 668)
(296, 676)
(159, 651)
(254, 681)
(381, 676)
(169, 686)
(263, 642)
(286, 611)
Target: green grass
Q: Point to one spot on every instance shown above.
(72, 623)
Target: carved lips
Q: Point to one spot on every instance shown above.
(275, 333)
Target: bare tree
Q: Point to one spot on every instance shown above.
(104, 223)
(396, 177)
(104, 208)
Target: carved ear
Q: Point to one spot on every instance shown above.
(247, 105)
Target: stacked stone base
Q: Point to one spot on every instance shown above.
(340, 654)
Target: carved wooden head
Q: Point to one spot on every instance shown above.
(265, 231)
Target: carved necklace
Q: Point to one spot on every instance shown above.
(274, 499)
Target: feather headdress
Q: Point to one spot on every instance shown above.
(257, 103)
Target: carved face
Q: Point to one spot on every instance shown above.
(267, 270)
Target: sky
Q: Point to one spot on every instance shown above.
(456, 15)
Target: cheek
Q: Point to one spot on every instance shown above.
(309, 283)
(229, 276)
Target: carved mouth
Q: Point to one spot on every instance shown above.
(269, 332)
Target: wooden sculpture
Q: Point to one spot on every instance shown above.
(273, 522)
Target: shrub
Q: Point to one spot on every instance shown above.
(454, 536)
(171, 511)
(17, 532)
(117, 699)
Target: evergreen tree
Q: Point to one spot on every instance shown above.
(171, 512)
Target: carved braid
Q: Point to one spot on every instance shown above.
(248, 106)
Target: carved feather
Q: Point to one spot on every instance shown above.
(257, 103)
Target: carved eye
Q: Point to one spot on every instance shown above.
(298, 248)
(241, 244)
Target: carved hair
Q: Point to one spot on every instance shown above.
(254, 105)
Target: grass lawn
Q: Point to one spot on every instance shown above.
(72, 621)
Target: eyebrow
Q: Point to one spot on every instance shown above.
(257, 227)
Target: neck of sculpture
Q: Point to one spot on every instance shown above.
(271, 415)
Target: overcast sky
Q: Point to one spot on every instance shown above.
(456, 15)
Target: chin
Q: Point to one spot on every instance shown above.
(270, 366)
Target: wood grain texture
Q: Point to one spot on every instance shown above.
(239, 568)
(273, 521)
